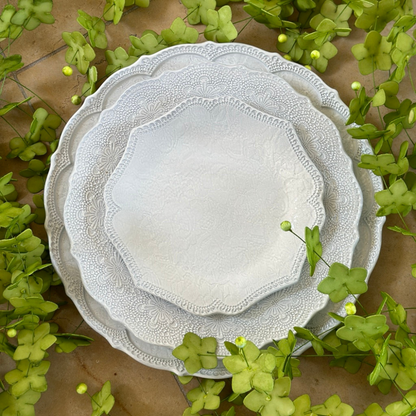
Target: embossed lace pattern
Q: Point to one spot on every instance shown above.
(104, 273)
(194, 205)
(304, 81)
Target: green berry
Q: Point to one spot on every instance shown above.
(11, 333)
(67, 71)
(308, 67)
(350, 308)
(240, 342)
(76, 100)
(286, 226)
(356, 86)
(288, 57)
(82, 388)
(282, 38)
(315, 54)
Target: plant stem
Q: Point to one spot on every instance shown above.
(36, 95)
(11, 126)
(304, 242)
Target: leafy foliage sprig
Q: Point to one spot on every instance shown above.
(307, 31)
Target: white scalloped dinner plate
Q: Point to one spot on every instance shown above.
(194, 207)
(302, 80)
(103, 270)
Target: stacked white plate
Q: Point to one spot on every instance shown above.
(166, 194)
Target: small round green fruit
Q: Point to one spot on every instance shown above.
(67, 71)
(11, 333)
(76, 100)
(282, 38)
(286, 226)
(315, 54)
(82, 388)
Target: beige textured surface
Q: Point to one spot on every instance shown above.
(140, 390)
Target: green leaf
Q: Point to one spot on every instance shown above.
(400, 366)
(22, 406)
(32, 345)
(271, 13)
(95, 28)
(404, 407)
(402, 231)
(313, 247)
(220, 27)
(366, 131)
(8, 107)
(197, 353)
(102, 401)
(338, 14)
(276, 402)
(378, 15)
(401, 26)
(113, 10)
(33, 304)
(391, 88)
(251, 369)
(327, 51)
(89, 87)
(28, 376)
(405, 48)
(117, 60)
(79, 52)
(19, 147)
(32, 13)
(302, 405)
(43, 126)
(185, 379)
(20, 222)
(5, 346)
(206, 395)
(402, 114)
(373, 54)
(7, 190)
(397, 312)
(381, 354)
(363, 331)
(7, 29)
(342, 281)
(359, 107)
(381, 165)
(9, 64)
(197, 10)
(317, 344)
(8, 213)
(149, 43)
(179, 33)
(397, 198)
(358, 6)
(373, 410)
(140, 3)
(69, 342)
(333, 406)
(285, 364)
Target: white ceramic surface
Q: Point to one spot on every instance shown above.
(194, 207)
(304, 81)
(106, 276)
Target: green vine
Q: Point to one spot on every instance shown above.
(306, 32)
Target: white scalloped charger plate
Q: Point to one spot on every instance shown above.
(104, 273)
(302, 80)
(194, 207)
